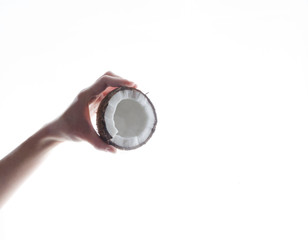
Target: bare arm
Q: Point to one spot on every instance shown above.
(15, 167)
(74, 124)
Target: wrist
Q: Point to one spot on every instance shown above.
(52, 132)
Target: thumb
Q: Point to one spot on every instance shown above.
(94, 139)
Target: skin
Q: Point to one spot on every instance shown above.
(73, 125)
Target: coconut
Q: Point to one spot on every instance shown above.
(126, 118)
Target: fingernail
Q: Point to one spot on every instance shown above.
(110, 150)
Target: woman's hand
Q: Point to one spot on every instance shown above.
(75, 123)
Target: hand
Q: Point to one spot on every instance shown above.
(75, 123)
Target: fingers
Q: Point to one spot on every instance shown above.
(98, 143)
(114, 75)
(107, 90)
(112, 81)
(87, 133)
(92, 96)
(108, 81)
(109, 73)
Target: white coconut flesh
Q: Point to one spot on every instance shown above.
(129, 118)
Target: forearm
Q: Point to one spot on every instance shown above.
(17, 165)
(73, 125)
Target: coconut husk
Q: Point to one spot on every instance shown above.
(101, 124)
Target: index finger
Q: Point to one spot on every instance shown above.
(108, 81)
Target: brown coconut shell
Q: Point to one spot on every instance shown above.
(101, 124)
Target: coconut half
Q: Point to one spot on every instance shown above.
(126, 118)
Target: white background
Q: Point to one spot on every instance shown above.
(229, 158)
